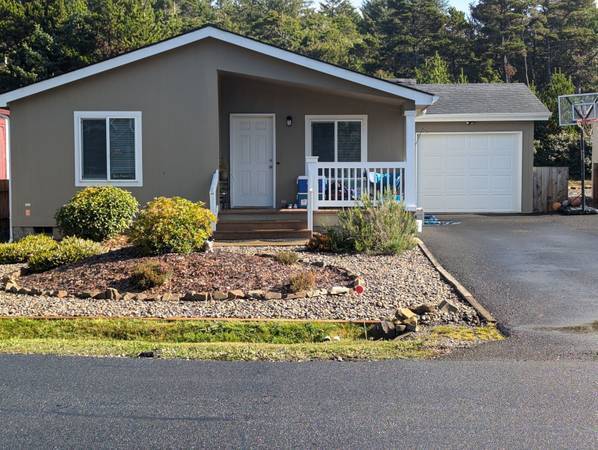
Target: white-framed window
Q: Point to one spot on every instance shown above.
(108, 148)
(337, 138)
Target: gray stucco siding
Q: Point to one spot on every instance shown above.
(527, 130)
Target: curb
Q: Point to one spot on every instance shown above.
(463, 292)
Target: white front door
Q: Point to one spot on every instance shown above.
(469, 172)
(252, 160)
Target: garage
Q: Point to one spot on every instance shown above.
(469, 172)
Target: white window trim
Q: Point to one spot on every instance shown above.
(79, 180)
(337, 118)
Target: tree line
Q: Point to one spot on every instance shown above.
(551, 45)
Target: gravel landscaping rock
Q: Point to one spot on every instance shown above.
(391, 282)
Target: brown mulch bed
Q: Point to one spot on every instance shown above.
(218, 271)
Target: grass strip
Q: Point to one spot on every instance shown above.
(230, 351)
(189, 331)
(224, 340)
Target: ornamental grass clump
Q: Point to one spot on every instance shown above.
(304, 281)
(68, 251)
(172, 225)
(150, 274)
(97, 213)
(286, 257)
(381, 228)
(22, 250)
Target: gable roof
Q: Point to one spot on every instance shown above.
(420, 97)
(483, 102)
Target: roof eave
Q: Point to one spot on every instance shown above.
(420, 98)
(489, 117)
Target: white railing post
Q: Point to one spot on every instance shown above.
(311, 171)
(214, 201)
(410, 159)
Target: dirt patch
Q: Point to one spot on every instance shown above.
(218, 271)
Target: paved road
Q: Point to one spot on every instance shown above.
(538, 389)
(538, 275)
(117, 403)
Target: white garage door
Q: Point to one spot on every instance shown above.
(469, 172)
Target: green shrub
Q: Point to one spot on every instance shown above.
(69, 250)
(97, 213)
(304, 281)
(286, 257)
(21, 251)
(382, 228)
(172, 225)
(150, 274)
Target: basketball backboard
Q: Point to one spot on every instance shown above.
(573, 108)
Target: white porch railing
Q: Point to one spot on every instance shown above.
(214, 200)
(336, 184)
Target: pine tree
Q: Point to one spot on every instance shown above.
(489, 74)
(434, 70)
(500, 27)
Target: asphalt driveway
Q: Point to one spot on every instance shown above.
(538, 275)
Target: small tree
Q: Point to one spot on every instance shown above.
(434, 70)
(462, 77)
(489, 74)
(559, 84)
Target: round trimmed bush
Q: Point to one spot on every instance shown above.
(22, 250)
(70, 250)
(172, 225)
(97, 213)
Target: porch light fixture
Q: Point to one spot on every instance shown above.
(289, 121)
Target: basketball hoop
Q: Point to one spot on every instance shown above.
(587, 126)
(580, 110)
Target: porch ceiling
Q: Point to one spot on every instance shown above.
(344, 89)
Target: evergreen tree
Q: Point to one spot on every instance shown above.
(500, 27)
(434, 70)
(489, 74)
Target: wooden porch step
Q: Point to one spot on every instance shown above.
(262, 225)
(249, 234)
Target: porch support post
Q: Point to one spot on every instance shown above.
(311, 171)
(411, 170)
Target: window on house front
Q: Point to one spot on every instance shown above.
(340, 139)
(108, 148)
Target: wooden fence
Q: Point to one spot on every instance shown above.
(4, 211)
(551, 184)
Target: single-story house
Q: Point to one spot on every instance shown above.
(214, 116)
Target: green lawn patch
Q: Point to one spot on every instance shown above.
(220, 340)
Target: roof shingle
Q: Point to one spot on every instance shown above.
(483, 98)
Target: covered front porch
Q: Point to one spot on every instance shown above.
(286, 146)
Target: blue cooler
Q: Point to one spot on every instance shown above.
(301, 199)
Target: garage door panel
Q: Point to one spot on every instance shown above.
(433, 184)
(455, 184)
(479, 162)
(479, 184)
(477, 172)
